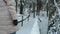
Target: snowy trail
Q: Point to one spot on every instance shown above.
(35, 29)
(28, 27)
(44, 25)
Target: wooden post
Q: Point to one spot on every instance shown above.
(22, 21)
(29, 16)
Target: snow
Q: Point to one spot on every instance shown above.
(35, 29)
(44, 25)
(32, 26)
(29, 27)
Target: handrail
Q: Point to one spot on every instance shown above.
(24, 19)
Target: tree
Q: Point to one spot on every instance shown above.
(39, 6)
(21, 7)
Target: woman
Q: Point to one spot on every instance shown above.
(8, 17)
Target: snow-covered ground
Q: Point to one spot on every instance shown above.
(29, 27)
(32, 26)
(44, 26)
